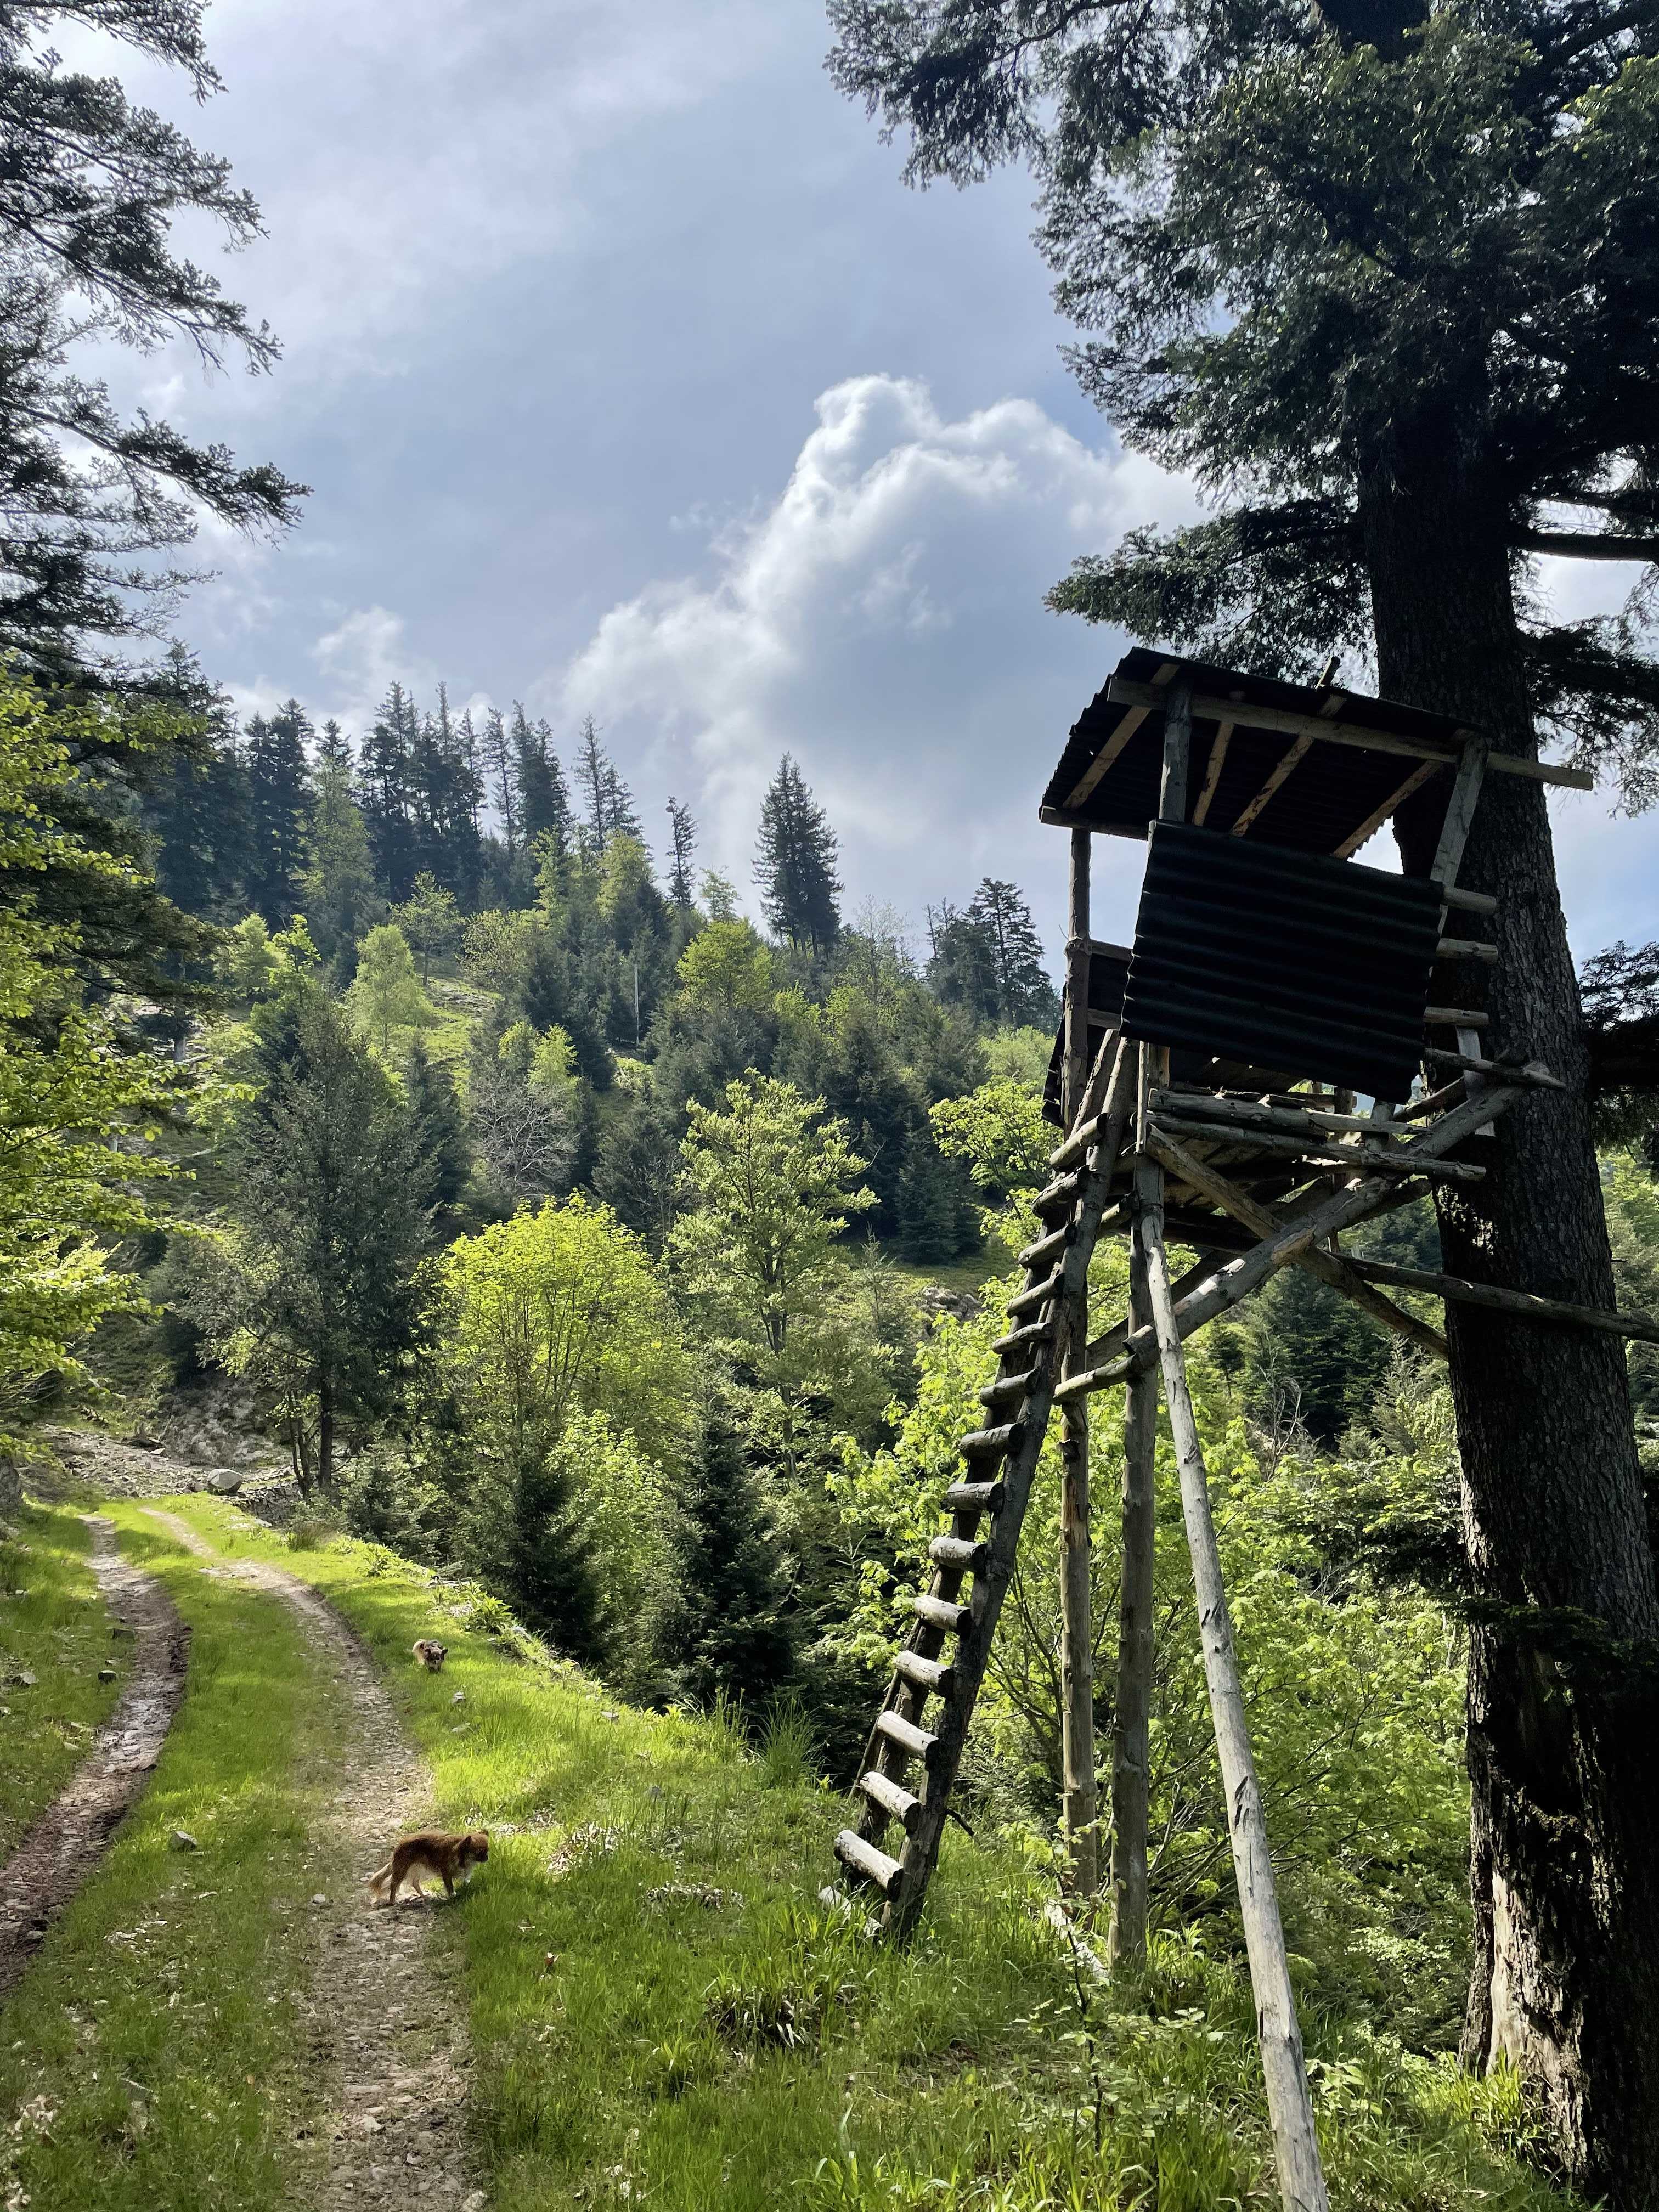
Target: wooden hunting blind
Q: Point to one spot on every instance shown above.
(1276, 1059)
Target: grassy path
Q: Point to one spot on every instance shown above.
(66, 1840)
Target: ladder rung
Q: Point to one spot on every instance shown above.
(1034, 1332)
(973, 1498)
(1471, 901)
(1466, 948)
(908, 1736)
(864, 1859)
(894, 1799)
(1076, 1144)
(1046, 1246)
(1064, 1188)
(940, 1612)
(1447, 1017)
(1008, 1386)
(962, 1553)
(992, 1443)
(924, 1674)
(1039, 1294)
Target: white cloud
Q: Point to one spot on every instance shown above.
(882, 620)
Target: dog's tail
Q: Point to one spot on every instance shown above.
(381, 1876)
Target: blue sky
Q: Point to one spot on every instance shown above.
(630, 381)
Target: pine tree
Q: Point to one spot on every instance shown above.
(683, 830)
(609, 804)
(334, 748)
(440, 1133)
(1024, 994)
(722, 1625)
(195, 804)
(338, 884)
(637, 1169)
(278, 811)
(385, 768)
(499, 783)
(795, 863)
(543, 802)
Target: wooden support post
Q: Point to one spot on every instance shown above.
(1290, 2108)
(1126, 1948)
(1076, 1606)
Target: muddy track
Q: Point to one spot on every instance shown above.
(66, 1843)
(388, 2046)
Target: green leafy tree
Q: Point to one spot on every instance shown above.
(1381, 279)
(386, 994)
(430, 921)
(795, 863)
(726, 965)
(331, 1199)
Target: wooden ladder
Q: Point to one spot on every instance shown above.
(987, 1507)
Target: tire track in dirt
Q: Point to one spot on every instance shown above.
(388, 2050)
(66, 1843)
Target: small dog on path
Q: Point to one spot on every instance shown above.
(429, 1853)
(430, 1654)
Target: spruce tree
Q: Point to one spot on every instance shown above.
(543, 802)
(610, 811)
(439, 1125)
(683, 832)
(1383, 277)
(721, 1626)
(278, 811)
(337, 885)
(384, 770)
(1023, 993)
(499, 783)
(795, 864)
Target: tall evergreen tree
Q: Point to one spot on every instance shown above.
(440, 1133)
(1383, 276)
(1024, 993)
(683, 833)
(278, 811)
(722, 1625)
(543, 802)
(795, 863)
(501, 785)
(337, 886)
(385, 770)
(195, 807)
(334, 747)
(610, 811)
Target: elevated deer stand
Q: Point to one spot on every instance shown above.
(1207, 1082)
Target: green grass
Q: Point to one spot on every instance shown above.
(53, 1625)
(663, 2014)
(150, 2058)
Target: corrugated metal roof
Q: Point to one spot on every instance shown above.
(1331, 791)
(1252, 951)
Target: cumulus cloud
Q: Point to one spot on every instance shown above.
(882, 619)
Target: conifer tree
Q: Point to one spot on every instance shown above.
(683, 832)
(795, 863)
(499, 783)
(278, 811)
(722, 1625)
(610, 811)
(385, 768)
(337, 885)
(1023, 993)
(440, 1133)
(543, 802)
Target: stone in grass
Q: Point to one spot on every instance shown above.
(107, 1674)
(459, 1698)
(319, 1899)
(23, 1679)
(182, 1840)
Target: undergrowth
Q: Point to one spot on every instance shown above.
(664, 2014)
(54, 1642)
(149, 2059)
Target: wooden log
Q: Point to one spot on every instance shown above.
(1068, 1154)
(939, 1612)
(1290, 2108)
(1395, 799)
(1177, 705)
(1468, 901)
(1038, 1294)
(965, 1553)
(894, 1799)
(1466, 948)
(1061, 1192)
(992, 1443)
(1332, 1268)
(973, 1498)
(866, 1860)
(1299, 748)
(1524, 1305)
(1218, 761)
(1034, 1332)
(1126, 1941)
(1008, 1386)
(1370, 1159)
(931, 1674)
(917, 1742)
(1454, 1017)
(1532, 1073)
(1253, 1114)
(1208, 709)
(1046, 1248)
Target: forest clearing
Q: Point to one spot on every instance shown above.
(830, 1368)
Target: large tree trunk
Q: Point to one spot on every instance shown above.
(1563, 1712)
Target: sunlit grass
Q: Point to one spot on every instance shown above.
(664, 2014)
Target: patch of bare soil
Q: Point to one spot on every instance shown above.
(65, 1844)
(388, 2043)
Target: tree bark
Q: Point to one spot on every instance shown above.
(1563, 1709)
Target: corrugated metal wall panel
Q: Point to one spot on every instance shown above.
(1249, 952)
